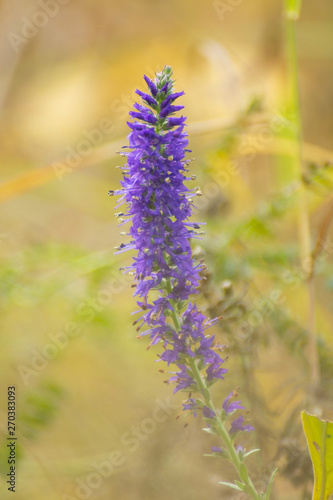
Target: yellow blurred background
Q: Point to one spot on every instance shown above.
(89, 393)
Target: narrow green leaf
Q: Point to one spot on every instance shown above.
(319, 436)
(270, 484)
(231, 485)
(243, 473)
(240, 485)
(209, 430)
(248, 453)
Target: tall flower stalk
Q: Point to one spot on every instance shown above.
(159, 206)
(292, 12)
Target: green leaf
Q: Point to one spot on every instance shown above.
(209, 430)
(248, 453)
(319, 436)
(231, 485)
(240, 485)
(243, 473)
(269, 489)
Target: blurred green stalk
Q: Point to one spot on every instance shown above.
(293, 9)
(292, 12)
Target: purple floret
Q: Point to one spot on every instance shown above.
(230, 406)
(237, 426)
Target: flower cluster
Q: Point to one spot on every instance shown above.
(159, 206)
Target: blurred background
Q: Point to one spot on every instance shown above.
(94, 419)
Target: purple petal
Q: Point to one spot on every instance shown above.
(237, 426)
(151, 85)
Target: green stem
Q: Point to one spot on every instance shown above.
(235, 459)
(292, 10)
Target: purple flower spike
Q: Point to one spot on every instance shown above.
(159, 208)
